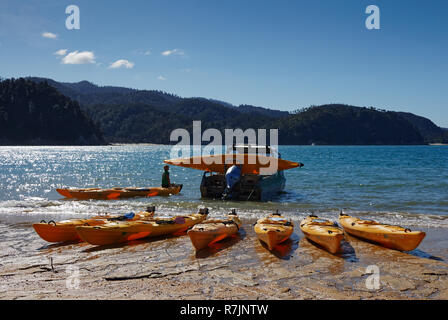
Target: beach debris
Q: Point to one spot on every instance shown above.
(156, 274)
(50, 268)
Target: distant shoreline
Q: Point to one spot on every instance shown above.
(137, 144)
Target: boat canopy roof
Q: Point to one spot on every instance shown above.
(253, 149)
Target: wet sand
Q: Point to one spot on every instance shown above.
(238, 268)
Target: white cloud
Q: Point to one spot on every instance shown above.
(49, 35)
(75, 57)
(122, 63)
(61, 52)
(173, 52)
(161, 78)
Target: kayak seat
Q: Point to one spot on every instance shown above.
(164, 221)
(231, 222)
(127, 216)
(371, 222)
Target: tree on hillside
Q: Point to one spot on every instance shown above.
(36, 112)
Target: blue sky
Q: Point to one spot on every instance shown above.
(278, 54)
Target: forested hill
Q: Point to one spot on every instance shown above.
(347, 125)
(147, 116)
(88, 94)
(37, 114)
(430, 131)
(144, 123)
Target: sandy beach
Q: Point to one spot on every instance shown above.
(237, 268)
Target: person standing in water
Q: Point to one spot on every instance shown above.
(166, 183)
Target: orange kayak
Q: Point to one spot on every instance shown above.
(65, 230)
(392, 237)
(273, 230)
(322, 232)
(213, 230)
(119, 232)
(251, 163)
(118, 193)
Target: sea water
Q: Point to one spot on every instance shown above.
(405, 185)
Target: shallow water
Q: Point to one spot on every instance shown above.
(406, 185)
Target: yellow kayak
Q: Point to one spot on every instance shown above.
(118, 193)
(392, 237)
(213, 230)
(273, 230)
(323, 232)
(118, 232)
(63, 231)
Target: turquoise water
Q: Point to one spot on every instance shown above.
(397, 184)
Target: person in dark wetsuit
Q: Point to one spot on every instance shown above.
(166, 183)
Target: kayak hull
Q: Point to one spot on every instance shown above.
(110, 236)
(119, 232)
(118, 193)
(324, 233)
(205, 234)
(392, 237)
(65, 231)
(273, 232)
(52, 233)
